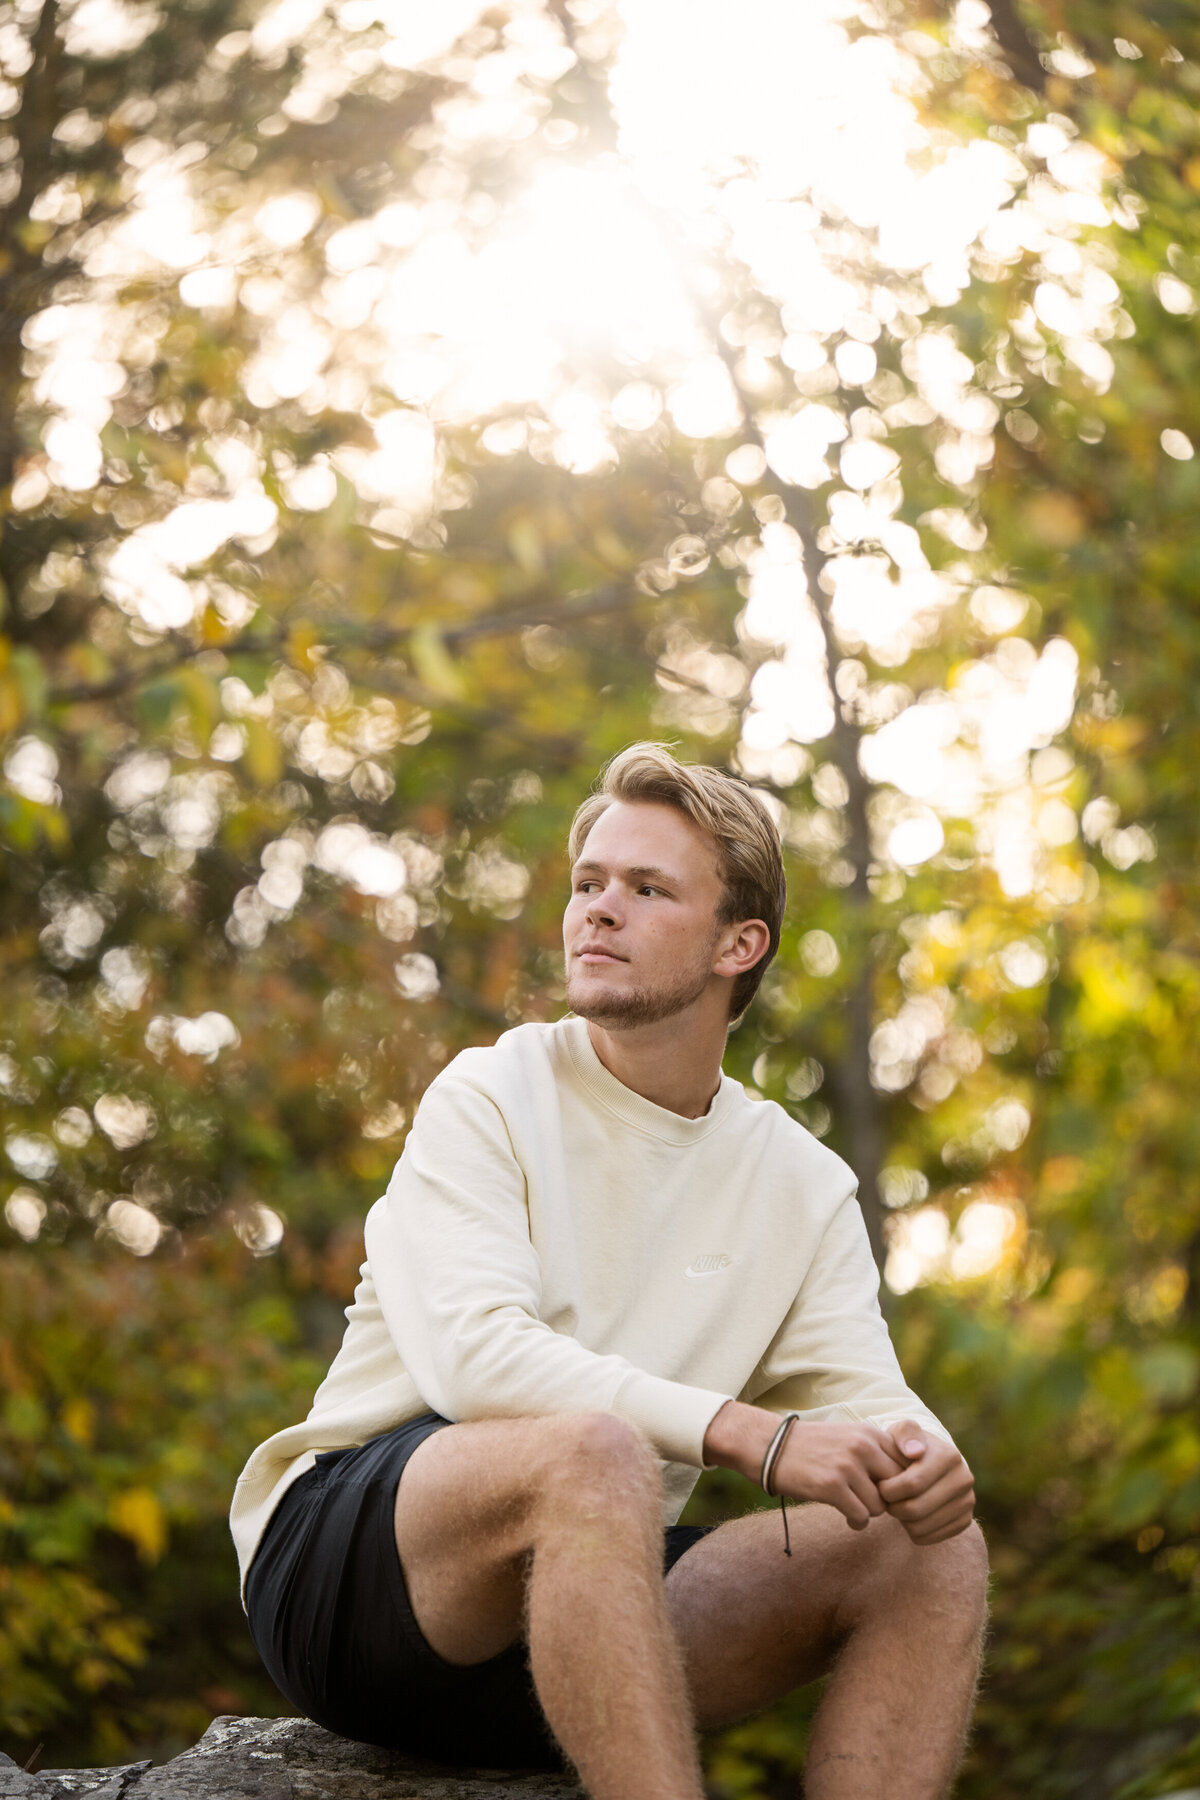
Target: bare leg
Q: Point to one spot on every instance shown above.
(900, 1627)
(556, 1523)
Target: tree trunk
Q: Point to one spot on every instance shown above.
(857, 1100)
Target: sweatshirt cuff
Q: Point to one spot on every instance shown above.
(674, 1417)
(919, 1416)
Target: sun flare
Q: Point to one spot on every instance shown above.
(773, 152)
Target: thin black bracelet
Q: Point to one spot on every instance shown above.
(771, 1456)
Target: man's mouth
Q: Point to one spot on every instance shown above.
(592, 953)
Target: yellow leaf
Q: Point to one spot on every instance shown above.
(1115, 735)
(213, 628)
(1114, 990)
(92, 1674)
(137, 1515)
(1191, 172)
(1073, 1285)
(1056, 519)
(302, 640)
(12, 707)
(54, 825)
(124, 1640)
(264, 757)
(79, 1420)
(436, 668)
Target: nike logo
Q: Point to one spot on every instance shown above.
(709, 1265)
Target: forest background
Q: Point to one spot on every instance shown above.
(402, 408)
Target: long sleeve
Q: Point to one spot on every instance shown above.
(832, 1356)
(552, 1241)
(460, 1287)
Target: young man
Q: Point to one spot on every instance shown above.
(609, 1269)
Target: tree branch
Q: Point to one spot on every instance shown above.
(487, 720)
(1020, 51)
(369, 638)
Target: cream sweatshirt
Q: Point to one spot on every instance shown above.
(550, 1241)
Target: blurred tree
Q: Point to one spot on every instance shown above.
(1091, 1459)
(397, 416)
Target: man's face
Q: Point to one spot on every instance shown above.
(640, 929)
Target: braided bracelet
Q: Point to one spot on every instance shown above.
(766, 1474)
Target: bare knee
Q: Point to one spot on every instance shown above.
(598, 1463)
(893, 1574)
(598, 1446)
(963, 1569)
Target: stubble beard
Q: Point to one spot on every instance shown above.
(636, 1006)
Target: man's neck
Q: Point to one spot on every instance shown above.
(669, 1064)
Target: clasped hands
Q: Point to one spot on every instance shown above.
(864, 1471)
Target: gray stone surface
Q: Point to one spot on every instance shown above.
(283, 1759)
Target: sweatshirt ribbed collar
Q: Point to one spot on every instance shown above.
(634, 1109)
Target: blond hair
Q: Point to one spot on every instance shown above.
(730, 812)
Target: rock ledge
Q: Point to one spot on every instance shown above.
(283, 1759)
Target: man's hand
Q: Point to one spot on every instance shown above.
(934, 1495)
(842, 1465)
(909, 1472)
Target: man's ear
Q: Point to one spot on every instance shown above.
(741, 946)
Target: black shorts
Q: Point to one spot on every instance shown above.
(330, 1617)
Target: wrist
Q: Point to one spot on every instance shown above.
(738, 1438)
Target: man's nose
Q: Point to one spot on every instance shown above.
(601, 909)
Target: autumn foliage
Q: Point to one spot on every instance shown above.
(322, 604)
